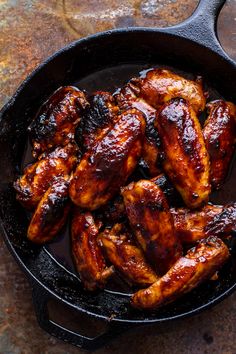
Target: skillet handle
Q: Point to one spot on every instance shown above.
(201, 26)
(40, 300)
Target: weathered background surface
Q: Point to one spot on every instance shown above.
(30, 30)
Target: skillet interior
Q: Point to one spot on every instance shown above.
(79, 63)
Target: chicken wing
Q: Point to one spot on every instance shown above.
(190, 225)
(186, 160)
(97, 119)
(126, 98)
(223, 223)
(38, 176)
(220, 136)
(114, 211)
(56, 120)
(51, 213)
(152, 223)
(106, 167)
(127, 258)
(158, 86)
(88, 257)
(200, 263)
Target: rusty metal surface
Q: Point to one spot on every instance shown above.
(30, 30)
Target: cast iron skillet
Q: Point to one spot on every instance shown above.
(191, 46)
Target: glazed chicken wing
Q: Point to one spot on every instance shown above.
(152, 223)
(127, 258)
(220, 136)
(212, 220)
(115, 211)
(51, 213)
(190, 225)
(106, 167)
(186, 160)
(200, 263)
(38, 176)
(223, 223)
(88, 258)
(56, 120)
(97, 119)
(158, 86)
(126, 98)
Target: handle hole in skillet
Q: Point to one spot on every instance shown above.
(226, 28)
(74, 320)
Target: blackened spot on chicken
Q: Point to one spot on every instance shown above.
(98, 115)
(151, 133)
(223, 223)
(42, 127)
(54, 210)
(171, 194)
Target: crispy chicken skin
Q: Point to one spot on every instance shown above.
(56, 120)
(200, 263)
(38, 176)
(220, 136)
(224, 222)
(190, 225)
(126, 98)
(126, 256)
(106, 167)
(186, 160)
(51, 213)
(97, 119)
(152, 223)
(88, 257)
(158, 86)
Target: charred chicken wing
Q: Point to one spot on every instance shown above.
(97, 119)
(51, 212)
(89, 260)
(224, 222)
(38, 176)
(220, 136)
(186, 160)
(127, 258)
(190, 225)
(150, 218)
(126, 98)
(158, 86)
(106, 167)
(56, 120)
(200, 263)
